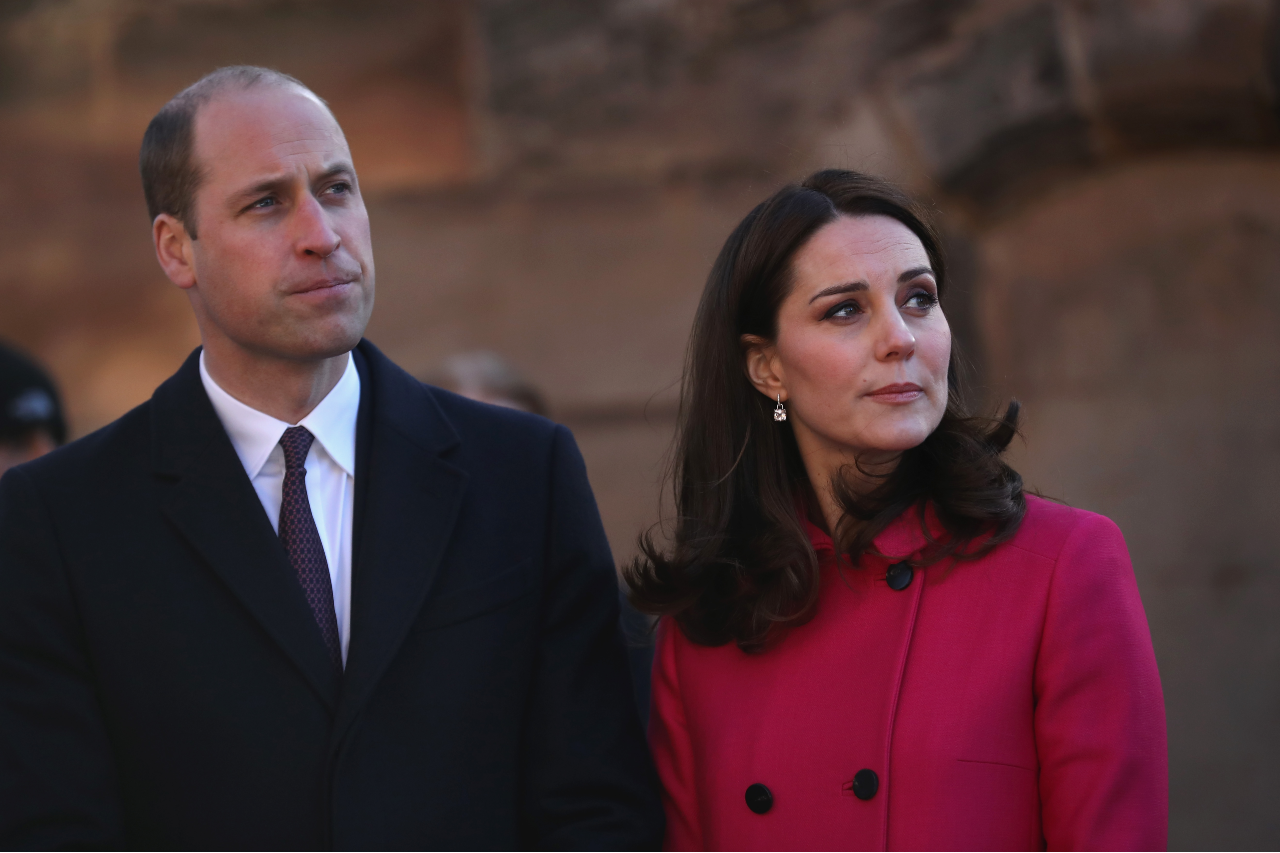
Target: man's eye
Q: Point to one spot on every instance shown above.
(340, 187)
(268, 201)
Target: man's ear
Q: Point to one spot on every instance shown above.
(760, 358)
(173, 250)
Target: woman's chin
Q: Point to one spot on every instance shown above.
(890, 444)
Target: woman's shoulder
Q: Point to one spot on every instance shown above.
(1051, 529)
(678, 657)
(1077, 558)
(671, 643)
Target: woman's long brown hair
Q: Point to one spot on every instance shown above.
(741, 567)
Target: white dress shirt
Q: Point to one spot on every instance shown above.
(331, 466)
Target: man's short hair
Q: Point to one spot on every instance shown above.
(170, 174)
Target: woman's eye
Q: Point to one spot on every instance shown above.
(844, 309)
(922, 299)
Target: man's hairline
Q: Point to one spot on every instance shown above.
(198, 169)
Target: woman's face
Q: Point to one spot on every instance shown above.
(861, 354)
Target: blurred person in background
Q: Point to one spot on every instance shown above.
(871, 637)
(488, 377)
(300, 600)
(31, 420)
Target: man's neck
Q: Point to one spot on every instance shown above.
(284, 389)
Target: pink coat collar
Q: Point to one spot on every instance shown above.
(904, 537)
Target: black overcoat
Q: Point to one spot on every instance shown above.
(163, 682)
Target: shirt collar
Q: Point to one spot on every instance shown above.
(255, 434)
(333, 420)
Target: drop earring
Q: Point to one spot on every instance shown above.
(780, 413)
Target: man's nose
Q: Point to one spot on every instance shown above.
(315, 234)
(893, 338)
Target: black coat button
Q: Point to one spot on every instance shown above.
(899, 576)
(865, 784)
(759, 798)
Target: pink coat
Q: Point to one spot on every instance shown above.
(1006, 703)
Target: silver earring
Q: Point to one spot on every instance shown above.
(780, 413)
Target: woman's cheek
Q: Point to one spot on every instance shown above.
(822, 370)
(939, 356)
(936, 348)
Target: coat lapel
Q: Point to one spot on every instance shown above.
(407, 502)
(209, 499)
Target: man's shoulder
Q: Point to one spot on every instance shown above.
(125, 437)
(105, 452)
(485, 421)
(441, 419)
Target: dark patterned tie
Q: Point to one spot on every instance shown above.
(302, 540)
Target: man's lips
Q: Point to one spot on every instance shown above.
(322, 284)
(899, 392)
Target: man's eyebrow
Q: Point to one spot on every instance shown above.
(278, 183)
(263, 187)
(339, 168)
(847, 287)
(915, 272)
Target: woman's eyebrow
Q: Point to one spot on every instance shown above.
(915, 272)
(848, 287)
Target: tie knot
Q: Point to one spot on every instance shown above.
(296, 441)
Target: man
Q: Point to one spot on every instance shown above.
(31, 422)
(487, 377)
(298, 599)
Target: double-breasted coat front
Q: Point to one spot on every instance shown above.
(1006, 702)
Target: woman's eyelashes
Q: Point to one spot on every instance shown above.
(922, 300)
(847, 308)
(917, 300)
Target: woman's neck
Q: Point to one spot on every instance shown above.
(860, 475)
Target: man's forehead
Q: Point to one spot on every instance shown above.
(268, 128)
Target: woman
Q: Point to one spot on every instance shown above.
(872, 639)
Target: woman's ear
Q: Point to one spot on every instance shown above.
(760, 360)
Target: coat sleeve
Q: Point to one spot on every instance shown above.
(672, 747)
(1099, 718)
(58, 783)
(589, 779)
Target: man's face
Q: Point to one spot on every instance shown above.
(283, 264)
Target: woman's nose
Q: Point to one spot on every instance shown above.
(893, 338)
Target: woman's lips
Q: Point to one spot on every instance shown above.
(902, 392)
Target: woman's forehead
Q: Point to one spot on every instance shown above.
(859, 247)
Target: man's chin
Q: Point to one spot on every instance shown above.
(332, 346)
(312, 344)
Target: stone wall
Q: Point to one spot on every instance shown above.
(551, 180)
